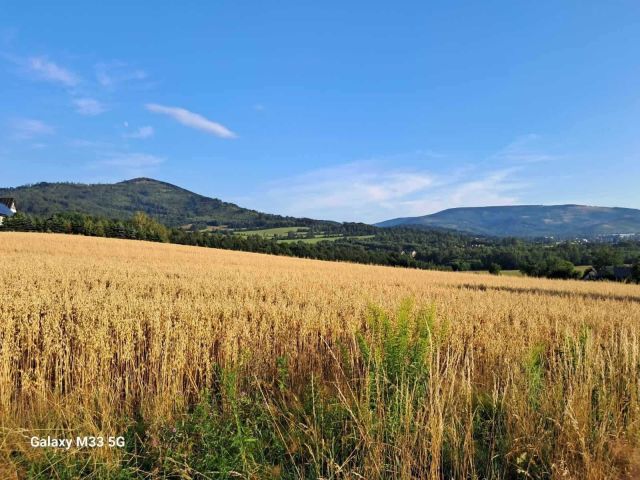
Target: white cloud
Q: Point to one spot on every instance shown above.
(192, 120)
(141, 133)
(366, 191)
(89, 106)
(499, 187)
(27, 128)
(50, 71)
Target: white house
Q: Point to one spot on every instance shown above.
(7, 208)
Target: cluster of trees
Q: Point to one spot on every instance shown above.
(635, 272)
(600, 256)
(406, 247)
(550, 266)
(543, 258)
(139, 227)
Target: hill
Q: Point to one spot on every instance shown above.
(530, 221)
(167, 203)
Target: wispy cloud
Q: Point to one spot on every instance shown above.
(478, 189)
(47, 70)
(192, 120)
(83, 143)
(525, 149)
(28, 128)
(111, 74)
(141, 133)
(89, 106)
(368, 191)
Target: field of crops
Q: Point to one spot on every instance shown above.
(221, 364)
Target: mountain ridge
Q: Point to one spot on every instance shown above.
(567, 220)
(168, 203)
(176, 206)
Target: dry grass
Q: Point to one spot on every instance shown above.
(96, 329)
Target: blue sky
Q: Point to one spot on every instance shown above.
(343, 110)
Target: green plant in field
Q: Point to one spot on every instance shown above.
(399, 349)
(397, 356)
(534, 366)
(282, 366)
(213, 442)
(490, 435)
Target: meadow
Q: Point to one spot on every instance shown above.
(272, 232)
(222, 364)
(281, 234)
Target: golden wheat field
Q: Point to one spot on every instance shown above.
(523, 378)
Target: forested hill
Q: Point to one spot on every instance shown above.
(167, 203)
(559, 221)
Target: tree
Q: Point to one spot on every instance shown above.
(495, 269)
(559, 268)
(635, 271)
(606, 256)
(149, 229)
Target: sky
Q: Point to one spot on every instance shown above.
(351, 111)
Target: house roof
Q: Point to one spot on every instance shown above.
(5, 211)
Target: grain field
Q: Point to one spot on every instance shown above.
(307, 369)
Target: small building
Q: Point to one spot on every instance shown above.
(7, 208)
(590, 274)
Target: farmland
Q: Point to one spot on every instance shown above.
(272, 232)
(216, 364)
(298, 234)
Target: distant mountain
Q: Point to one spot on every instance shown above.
(560, 221)
(171, 205)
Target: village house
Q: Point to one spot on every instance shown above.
(7, 208)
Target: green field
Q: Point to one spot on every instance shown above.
(321, 238)
(281, 234)
(271, 232)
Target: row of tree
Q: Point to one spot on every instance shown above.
(396, 247)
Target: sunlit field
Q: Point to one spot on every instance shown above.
(221, 364)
